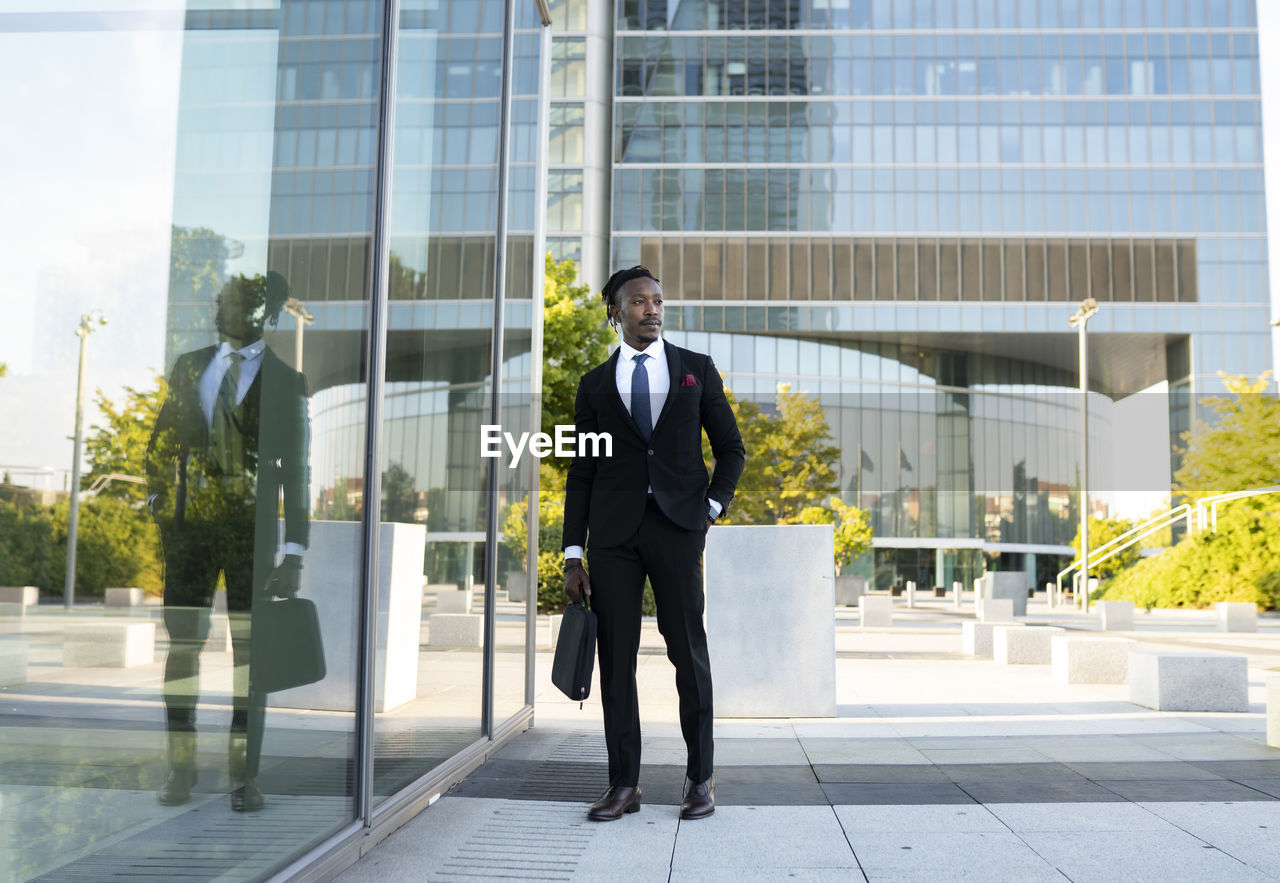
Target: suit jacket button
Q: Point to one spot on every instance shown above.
(650, 452)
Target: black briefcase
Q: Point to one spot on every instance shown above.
(285, 646)
(575, 652)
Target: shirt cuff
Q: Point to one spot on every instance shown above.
(715, 507)
(295, 549)
(572, 552)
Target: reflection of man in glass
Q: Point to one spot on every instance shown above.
(229, 442)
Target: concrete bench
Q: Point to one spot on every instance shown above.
(1088, 660)
(1024, 645)
(997, 610)
(875, 611)
(14, 652)
(550, 633)
(122, 601)
(849, 589)
(1273, 708)
(977, 637)
(1188, 681)
(109, 644)
(24, 596)
(1236, 616)
(453, 601)
(1115, 616)
(456, 630)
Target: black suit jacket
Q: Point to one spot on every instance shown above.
(605, 496)
(273, 423)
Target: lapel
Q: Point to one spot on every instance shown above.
(674, 374)
(610, 380)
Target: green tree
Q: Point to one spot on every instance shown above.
(852, 530)
(117, 544)
(399, 499)
(575, 338)
(791, 464)
(1240, 561)
(119, 444)
(1101, 532)
(1240, 449)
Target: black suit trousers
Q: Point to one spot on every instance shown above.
(671, 556)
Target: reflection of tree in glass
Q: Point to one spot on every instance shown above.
(118, 445)
(1240, 449)
(399, 499)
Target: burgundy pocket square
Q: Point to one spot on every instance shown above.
(688, 380)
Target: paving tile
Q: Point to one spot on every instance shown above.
(1258, 846)
(745, 752)
(835, 751)
(766, 875)
(872, 793)
(1183, 789)
(985, 755)
(1038, 792)
(952, 818)
(1268, 785)
(925, 855)
(765, 836)
(1169, 771)
(879, 772)
(1112, 856)
(769, 794)
(1195, 817)
(1011, 772)
(1078, 817)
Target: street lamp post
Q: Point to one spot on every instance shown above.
(73, 516)
(1080, 321)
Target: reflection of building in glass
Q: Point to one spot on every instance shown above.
(314, 148)
(896, 206)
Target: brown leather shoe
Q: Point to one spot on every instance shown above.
(616, 801)
(699, 799)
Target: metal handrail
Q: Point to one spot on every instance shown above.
(100, 483)
(1198, 519)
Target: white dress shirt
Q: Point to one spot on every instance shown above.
(211, 380)
(659, 386)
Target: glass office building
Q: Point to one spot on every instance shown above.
(348, 200)
(896, 206)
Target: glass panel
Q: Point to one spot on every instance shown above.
(230, 411)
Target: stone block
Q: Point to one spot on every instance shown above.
(219, 633)
(1011, 584)
(1115, 616)
(328, 579)
(1088, 660)
(121, 644)
(14, 652)
(453, 601)
(517, 586)
(977, 636)
(1273, 708)
(849, 589)
(771, 619)
(1236, 616)
(25, 596)
(122, 601)
(875, 611)
(1023, 645)
(455, 629)
(1188, 681)
(997, 610)
(557, 619)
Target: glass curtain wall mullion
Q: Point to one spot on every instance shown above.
(496, 347)
(376, 370)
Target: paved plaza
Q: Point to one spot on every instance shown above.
(939, 766)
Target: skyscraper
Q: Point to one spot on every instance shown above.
(896, 206)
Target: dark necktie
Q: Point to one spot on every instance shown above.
(225, 438)
(640, 409)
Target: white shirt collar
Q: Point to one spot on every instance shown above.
(250, 352)
(653, 350)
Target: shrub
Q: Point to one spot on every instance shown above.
(1240, 561)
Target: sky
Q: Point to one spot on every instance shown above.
(88, 157)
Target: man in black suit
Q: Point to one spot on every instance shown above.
(645, 511)
(230, 442)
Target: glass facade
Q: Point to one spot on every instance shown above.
(896, 206)
(294, 613)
